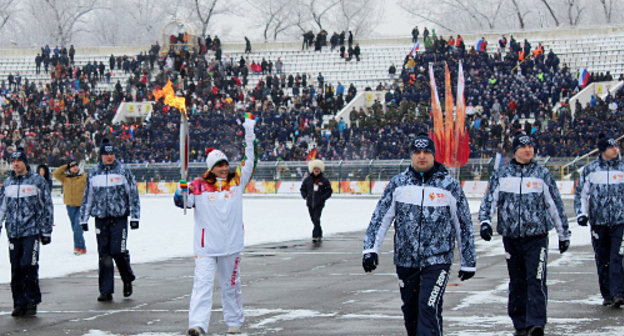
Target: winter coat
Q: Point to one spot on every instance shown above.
(600, 192)
(528, 202)
(430, 212)
(26, 205)
(46, 174)
(315, 190)
(218, 207)
(73, 186)
(110, 192)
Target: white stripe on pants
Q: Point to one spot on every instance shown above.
(229, 279)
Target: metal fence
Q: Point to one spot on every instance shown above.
(367, 170)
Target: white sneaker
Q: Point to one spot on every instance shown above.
(195, 331)
(234, 330)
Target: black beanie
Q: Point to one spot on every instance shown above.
(520, 140)
(72, 164)
(423, 142)
(605, 143)
(106, 147)
(20, 155)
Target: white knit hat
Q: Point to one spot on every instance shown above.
(213, 156)
(316, 164)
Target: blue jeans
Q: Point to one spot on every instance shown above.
(74, 217)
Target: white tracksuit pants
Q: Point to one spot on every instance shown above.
(229, 279)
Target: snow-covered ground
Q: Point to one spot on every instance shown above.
(166, 233)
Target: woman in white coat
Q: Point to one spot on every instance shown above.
(218, 201)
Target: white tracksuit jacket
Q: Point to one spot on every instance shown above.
(219, 208)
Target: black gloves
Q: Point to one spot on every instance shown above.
(582, 220)
(465, 275)
(134, 224)
(486, 231)
(85, 227)
(370, 261)
(45, 239)
(563, 245)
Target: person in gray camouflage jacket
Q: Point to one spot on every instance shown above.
(429, 211)
(111, 195)
(529, 204)
(599, 200)
(27, 210)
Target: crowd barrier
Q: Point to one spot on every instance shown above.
(471, 188)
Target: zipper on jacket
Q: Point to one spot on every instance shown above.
(313, 192)
(422, 204)
(19, 183)
(608, 193)
(520, 200)
(106, 188)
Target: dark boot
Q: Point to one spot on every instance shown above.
(105, 297)
(520, 332)
(618, 301)
(30, 310)
(536, 331)
(17, 312)
(127, 289)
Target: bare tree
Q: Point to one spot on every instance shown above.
(146, 15)
(64, 18)
(574, 11)
(484, 14)
(205, 11)
(355, 15)
(519, 14)
(319, 8)
(607, 6)
(273, 16)
(552, 13)
(6, 11)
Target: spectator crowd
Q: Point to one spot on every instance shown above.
(506, 90)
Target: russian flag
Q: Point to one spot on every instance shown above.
(583, 77)
(416, 47)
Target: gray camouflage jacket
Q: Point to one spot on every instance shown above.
(600, 192)
(429, 214)
(26, 206)
(528, 202)
(110, 192)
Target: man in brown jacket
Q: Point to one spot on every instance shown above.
(73, 188)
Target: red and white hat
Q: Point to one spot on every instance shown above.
(214, 156)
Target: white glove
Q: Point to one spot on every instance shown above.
(249, 125)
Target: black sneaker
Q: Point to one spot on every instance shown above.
(127, 290)
(535, 331)
(17, 312)
(30, 311)
(607, 302)
(105, 297)
(520, 332)
(618, 301)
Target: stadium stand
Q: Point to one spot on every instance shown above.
(55, 122)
